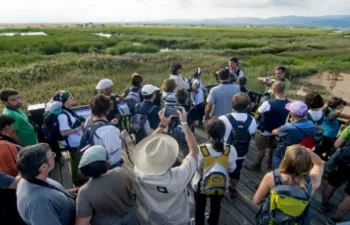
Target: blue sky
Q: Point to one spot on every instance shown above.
(46, 11)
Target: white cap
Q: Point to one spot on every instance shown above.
(149, 89)
(104, 83)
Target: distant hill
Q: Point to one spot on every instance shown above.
(299, 21)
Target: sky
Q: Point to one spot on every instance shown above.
(65, 11)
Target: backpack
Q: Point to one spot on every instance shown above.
(51, 126)
(133, 98)
(240, 136)
(137, 123)
(286, 204)
(341, 161)
(87, 139)
(308, 141)
(215, 174)
(319, 130)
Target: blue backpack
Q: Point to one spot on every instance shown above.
(286, 204)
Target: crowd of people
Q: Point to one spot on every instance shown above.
(298, 135)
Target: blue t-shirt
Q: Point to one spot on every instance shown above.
(221, 97)
(293, 133)
(330, 127)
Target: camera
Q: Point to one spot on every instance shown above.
(172, 110)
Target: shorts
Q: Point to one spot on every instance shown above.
(337, 178)
(237, 173)
(263, 142)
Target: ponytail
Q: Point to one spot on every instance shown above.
(218, 145)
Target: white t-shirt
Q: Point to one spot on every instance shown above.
(73, 139)
(165, 197)
(197, 97)
(239, 117)
(316, 115)
(181, 83)
(109, 137)
(265, 107)
(232, 157)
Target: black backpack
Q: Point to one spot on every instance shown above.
(240, 136)
(137, 123)
(51, 126)
(90, 131)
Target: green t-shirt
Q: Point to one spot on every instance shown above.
(345, 134)
(24, 129)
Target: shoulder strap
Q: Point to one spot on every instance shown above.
(47, 185)
(232, 121)
(277, 177)
(204, 150)
(70, 124)
(309, 117)
(248, 121)
(227, 150)
(151, 110)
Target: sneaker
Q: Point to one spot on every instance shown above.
(233, 193)
(193, 221)
(254, 167)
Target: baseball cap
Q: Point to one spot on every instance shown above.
(297, 108)
(104, 83)
(149, 89)
(93, 154)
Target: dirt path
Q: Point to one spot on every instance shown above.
(323, 84)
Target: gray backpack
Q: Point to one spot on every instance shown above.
(319, 130)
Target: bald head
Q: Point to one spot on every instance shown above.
(278, 87)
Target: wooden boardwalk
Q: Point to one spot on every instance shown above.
(241, 210)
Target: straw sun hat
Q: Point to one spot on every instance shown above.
(156, 154)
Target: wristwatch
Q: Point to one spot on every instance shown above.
(183, 123)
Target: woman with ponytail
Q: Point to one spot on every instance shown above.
(214, 154)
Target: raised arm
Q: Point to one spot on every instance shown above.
(190, 138)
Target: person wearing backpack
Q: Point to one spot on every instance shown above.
(332, 111)
(146, 118)
(62, 124)
(169, 93)
(336, 178)
(197, 97)
(315, 103)
(272, 115)
(102, 132)
(105, 87)
(299, 131)
(285, 193)
(215, 161)
(132, 95)
(239, 126)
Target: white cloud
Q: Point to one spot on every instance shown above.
(24, 11)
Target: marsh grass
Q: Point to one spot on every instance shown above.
(75, 59)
